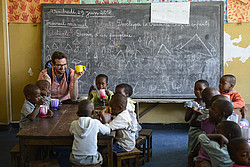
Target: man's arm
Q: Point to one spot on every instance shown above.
(74, 91)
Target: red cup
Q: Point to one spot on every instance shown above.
(43, 110)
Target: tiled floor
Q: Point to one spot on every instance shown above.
(169, 148)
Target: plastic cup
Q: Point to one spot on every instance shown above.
(79, 68)
(54, 104)
(102, 93)
(43, 110)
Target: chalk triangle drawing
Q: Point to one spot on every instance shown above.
(77, 49)
(129, 66)
(68, 48)
(76, 42)
(195, 45)
(47, 48)
(163, 50)
(54, 46)
(178, 46)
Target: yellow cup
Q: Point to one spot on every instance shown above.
(79, 68)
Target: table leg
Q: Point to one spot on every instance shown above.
(22, 152)
(110, 154)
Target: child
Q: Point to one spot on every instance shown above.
(194, 132)
(44, 86)
(239, 152)
(31, 104)
(85, 130)
(127, 91)
(215, 144)
(220, 110)
(101, 83)
(125, 135)
(227, 83)
(207, 95)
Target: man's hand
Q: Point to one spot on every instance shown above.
(77, 76)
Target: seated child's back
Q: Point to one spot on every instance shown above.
(85, 130)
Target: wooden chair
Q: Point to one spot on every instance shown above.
(44, 163)
(134, 154)
(141, 145)
(95, 165)
(148, 134)
(15, 156)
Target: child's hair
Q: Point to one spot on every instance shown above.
(29, 89)
(85, 108)
(208, 93)
(127, 88)
(234, 144)
(42, 83)
(102, 76)
(231, 77)
(203, 81)
(119, 99)
(57, 55)
(221, 97)
(230, 128)
(225, 106)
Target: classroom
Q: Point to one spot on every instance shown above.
(24, 52)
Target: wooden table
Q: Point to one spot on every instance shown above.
(55, 131)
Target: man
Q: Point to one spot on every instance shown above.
(64, 80)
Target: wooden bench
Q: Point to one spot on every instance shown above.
(44, 163)
(141, 145)
(95, 165)
(148, 134)
(134, 154)
(15, 156)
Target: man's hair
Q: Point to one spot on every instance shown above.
(119, 99)
(57, 55)
(127, 88)
(84, 107)
(233, 145)
(29, 89)
(225, 106)
(42, 83)
(203, 81)
(231, 77)
(230, 128)
(102, 76)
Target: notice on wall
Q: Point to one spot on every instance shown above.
(176, 13)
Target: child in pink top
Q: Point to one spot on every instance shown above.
(239, 151)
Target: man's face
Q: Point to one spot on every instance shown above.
(60, 65)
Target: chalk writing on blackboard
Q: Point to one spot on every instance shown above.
(159, 60)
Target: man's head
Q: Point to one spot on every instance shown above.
(85, 108)
(227, 82)
(229, 129)
(118, 103)
(44, 87)
(124, 89)
(59, 62)
(32, 93)
(207, 95)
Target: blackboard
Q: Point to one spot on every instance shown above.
(157, 60)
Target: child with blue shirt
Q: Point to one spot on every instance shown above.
(31, 105)
(85, 130)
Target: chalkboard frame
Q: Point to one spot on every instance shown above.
(181, 96)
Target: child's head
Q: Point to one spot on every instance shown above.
(101, 81)
(221, 97)
(44, 87)
(85, 108)
(227, 83)
(207, 95)
(229, 129)
(220, 110)
(239, 151)
(32, 93)
(124, 89)
(199, 86)
(118, 103)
